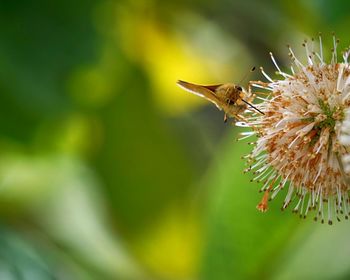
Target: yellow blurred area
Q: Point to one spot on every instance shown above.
(169, 55)
(170, 247)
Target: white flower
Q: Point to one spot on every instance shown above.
(301, 138)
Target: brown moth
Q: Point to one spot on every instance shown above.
(227, 97)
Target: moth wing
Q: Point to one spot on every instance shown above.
(206, 92)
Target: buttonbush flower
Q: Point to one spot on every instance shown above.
(303, 137)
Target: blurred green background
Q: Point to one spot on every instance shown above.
(109, 171)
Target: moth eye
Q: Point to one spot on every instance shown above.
(239, 88)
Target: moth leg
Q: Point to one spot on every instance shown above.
(225, 118)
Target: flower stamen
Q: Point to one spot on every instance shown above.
(300, 138)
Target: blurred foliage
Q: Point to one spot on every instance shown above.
(109, 171)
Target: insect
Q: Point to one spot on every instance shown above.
(228, 97)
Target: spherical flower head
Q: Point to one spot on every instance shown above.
(300, 143)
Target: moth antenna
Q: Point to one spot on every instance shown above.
(246, 75)
(251, 105)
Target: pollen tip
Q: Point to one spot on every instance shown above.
(262, 207)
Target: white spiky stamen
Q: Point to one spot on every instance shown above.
(302, 136)
(345, 140)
